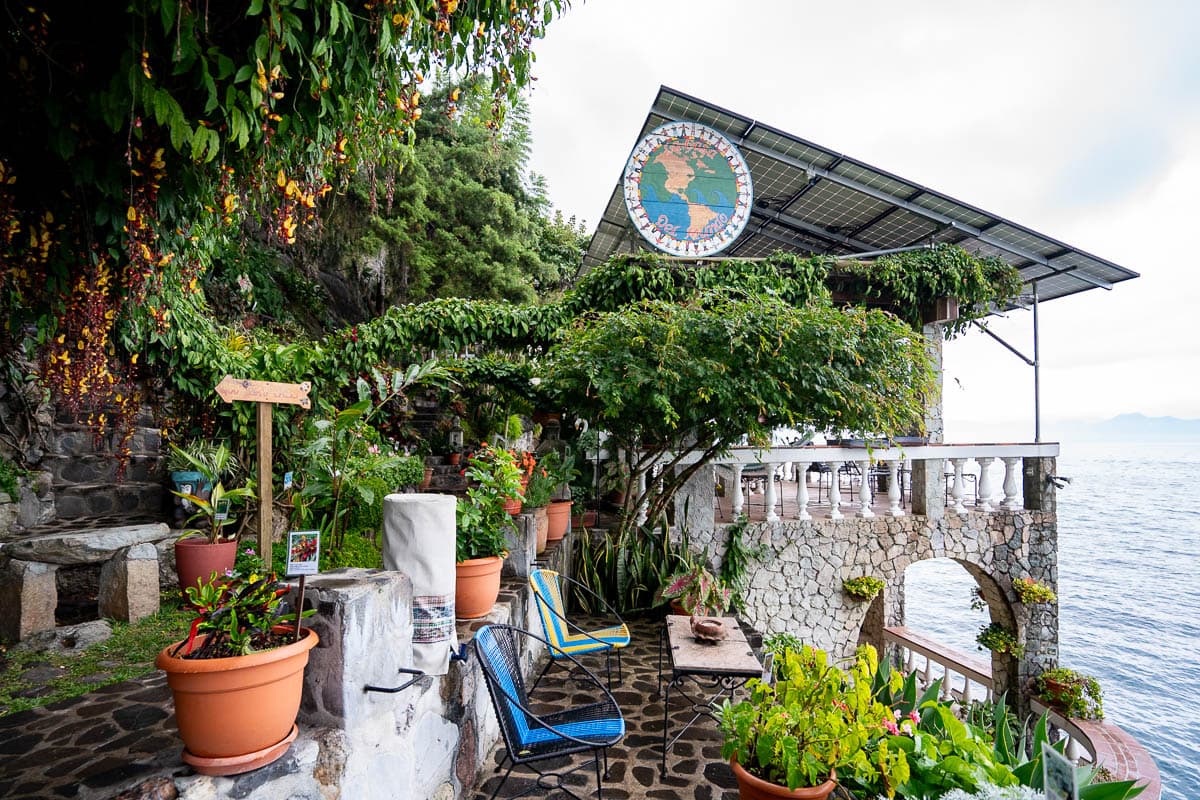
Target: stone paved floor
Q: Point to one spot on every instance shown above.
(90, 747)
(694, 765)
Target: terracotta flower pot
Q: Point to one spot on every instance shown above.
(453, 458)
(585, 520)
(197, 559)
(476, 586)
(541, 516)
(752, 788)
(237, 714)
(513, 506)
(560, 516)
(426, 481)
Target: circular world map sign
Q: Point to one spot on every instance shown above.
(687, 189)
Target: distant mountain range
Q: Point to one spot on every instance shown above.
(1126, 427)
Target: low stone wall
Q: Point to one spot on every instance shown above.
(428, 741)
(797, 586)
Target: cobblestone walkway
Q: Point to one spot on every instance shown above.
(694, 765)
(90, 747)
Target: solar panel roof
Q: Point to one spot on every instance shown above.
(810, 199)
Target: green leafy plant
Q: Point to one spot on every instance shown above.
(219, 501)
(698, 591)
(482, 521)
(1030, 591)
(863, 587)
(999, 639)
(1073, 692)
(627, 568)
(735, 563)
(9, 473)
(236, 616)
(817, 719)
(540, 488)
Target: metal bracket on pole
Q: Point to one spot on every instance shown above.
(1033, 362)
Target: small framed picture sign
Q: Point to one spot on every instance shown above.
(304, 549)
(1058, 775)
(221, 510)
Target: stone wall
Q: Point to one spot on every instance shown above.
(797, 586)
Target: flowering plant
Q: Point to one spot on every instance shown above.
(1030, 591)
(235, 616)
(482, 521)
(999, 639)
(698, 591)
(1075, 693)
(540, 488)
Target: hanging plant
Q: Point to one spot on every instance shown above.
(1030, 591)
(863, 588)
(999, 639)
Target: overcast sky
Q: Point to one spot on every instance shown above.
(1080, 120)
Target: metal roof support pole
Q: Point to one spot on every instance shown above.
(1037, 394)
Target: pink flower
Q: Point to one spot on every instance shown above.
(914, 716)
(890, 727)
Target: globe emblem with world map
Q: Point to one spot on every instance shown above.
(687, 189)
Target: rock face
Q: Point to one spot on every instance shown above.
(129, 584)
(84, 546)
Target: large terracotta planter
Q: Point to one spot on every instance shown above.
(541, 517)
(560, 516)
(197, 559)
(586, 519)
(752, 788)
(476, 586)
(237, 714)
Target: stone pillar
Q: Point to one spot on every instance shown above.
(522, 546)
(1039, 489)
(694, 501)
(934, 337)
(129, 583)
(929, 488)
(28, 595)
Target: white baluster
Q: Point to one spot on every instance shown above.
(835, 491)
(769, 493)
(1074, 751)
(1012, 469)
(642, 506)
(985, 483)
(739, 500)
(966, 692)
(956, 489)
(864, 490)
(802, 491)
(894, 509)
(908, 660)
(925, 674)
(944, 693)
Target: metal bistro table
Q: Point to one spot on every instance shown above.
(717, 668)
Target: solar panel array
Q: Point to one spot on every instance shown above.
(809, 199)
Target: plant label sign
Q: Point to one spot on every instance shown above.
(1058, 775)
(221, 511)
(304, 550)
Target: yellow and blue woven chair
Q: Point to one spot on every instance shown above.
(568, 638)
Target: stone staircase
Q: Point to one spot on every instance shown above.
(86, 473)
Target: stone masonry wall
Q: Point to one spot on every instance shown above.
(797, 586)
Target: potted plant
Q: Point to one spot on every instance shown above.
(238, 676)
(205, 549)
(482, 523)
(864, 587)
(560, 466)
(1074, 693)
(1029, 591)
(695, 591)
(999, 639)
(187, 478)
(538, 493)
(792, 738)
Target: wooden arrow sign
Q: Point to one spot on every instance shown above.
(293, 394)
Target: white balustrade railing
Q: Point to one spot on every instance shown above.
(965, 678)
(842, 477)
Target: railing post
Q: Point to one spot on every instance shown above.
(835, 490)
(769, 493)
(802, 491)
(739, 500)
(985, 483)
(894, 495)
(1012, 469)
(956, 489)
(864, 490)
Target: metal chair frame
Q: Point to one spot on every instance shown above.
(545, 606)
(546, 736)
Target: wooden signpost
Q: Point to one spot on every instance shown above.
(266, 394)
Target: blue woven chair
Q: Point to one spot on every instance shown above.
(530, 737)
(568, 638)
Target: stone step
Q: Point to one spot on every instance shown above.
(102, 468)
(143, 418)
(131, 497)
(86, 545)
(76, 440)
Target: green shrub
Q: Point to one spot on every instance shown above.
(1029, 591)
(999, 639)
(863, 588)
(1073, 692)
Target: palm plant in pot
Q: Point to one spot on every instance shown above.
(482, 525)
(207, 548)
(238, 676)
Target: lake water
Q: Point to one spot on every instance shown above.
(1129, 594)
